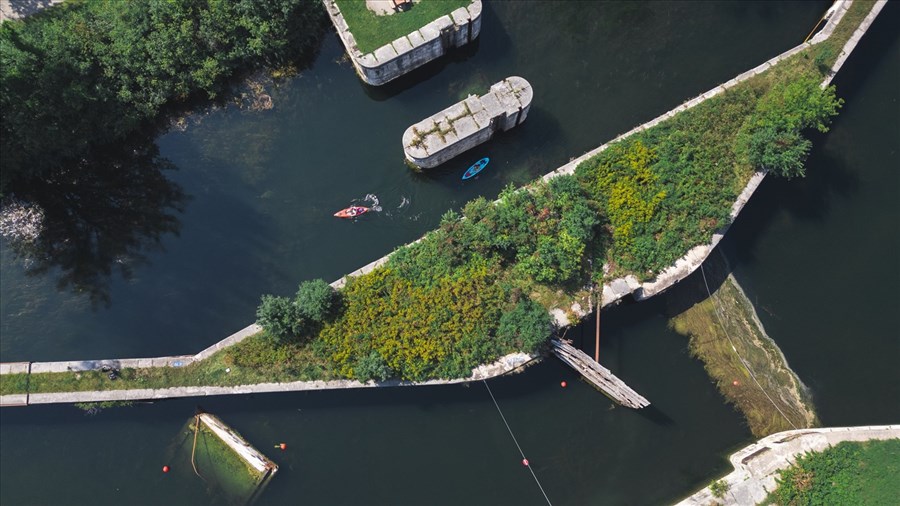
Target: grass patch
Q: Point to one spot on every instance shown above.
(709, 343)
(849, 473)
(11, 384)
(372, 32)
(257, 359)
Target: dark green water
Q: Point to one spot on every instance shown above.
(262, 188)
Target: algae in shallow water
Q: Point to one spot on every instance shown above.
(748, 367)
(228, 478)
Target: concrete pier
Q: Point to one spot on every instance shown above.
(409, 52)
(467, 123)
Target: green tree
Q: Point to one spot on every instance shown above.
(278, 316)
(526, 326)
(315, 302)
(372, 367)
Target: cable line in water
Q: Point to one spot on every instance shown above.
(744, 362)
(524, 460)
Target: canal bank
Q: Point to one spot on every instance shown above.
(834, 16)
(658, 460)
(756, 465)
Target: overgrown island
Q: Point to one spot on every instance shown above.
(478, 287)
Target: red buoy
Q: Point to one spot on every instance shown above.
(283, 446)
(563, 384)
(165, 469)
(525, 462)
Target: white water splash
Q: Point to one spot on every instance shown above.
(375, 204)
(403, 202)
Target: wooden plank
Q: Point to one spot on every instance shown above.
(599, 376)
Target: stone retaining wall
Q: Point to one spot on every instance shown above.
(756, 465)
(413, 50)
(612, 291)
(467, 123)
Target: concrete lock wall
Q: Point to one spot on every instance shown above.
(467, 123)
(433, 40)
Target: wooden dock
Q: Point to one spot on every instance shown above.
(599, 376)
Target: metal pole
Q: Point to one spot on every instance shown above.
(597, 334)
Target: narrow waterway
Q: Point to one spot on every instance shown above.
(262, 187)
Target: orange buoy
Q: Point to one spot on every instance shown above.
(165, 469)
(735, 383)
(283, 446)
(525, 462)
(563, 384)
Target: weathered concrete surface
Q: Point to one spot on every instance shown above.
(504, 365)
(757, 465)
(615, 290)
(245, 451)
(612, 291)
(18, 9)
(413, 50)
(467, 123)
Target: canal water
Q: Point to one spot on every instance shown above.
(261, 188)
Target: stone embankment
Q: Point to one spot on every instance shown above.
(756, 466)
(467, 123)
(413, 50)
(612, 292)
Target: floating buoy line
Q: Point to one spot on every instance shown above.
(524, 460)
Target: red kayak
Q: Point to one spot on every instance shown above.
(352, 212)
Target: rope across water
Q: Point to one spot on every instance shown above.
(524, 460)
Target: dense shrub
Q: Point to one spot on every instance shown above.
(284, 318)
(417, 328)
(527, 326)
(849, 473)
(316, 301)
(771, 137)
(277, 316)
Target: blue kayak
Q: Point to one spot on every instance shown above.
(476, 168)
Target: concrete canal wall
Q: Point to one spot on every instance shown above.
(756, 466)
(467, 123)
(413, 50)
(612, 291)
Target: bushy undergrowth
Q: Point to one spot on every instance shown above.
(463, 294)
(89, 73)
(850, 473)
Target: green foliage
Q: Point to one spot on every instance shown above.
(278, 316)
(372, 32)
(527, 326)
(372, 367)
(417, 328)
(718, 488)
(316, 301)
(86, 74)
(849, 473)
(771, 137)
(283, 318)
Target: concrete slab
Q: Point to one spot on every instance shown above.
(465, 126)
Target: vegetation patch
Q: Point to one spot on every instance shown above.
(726, 335)
(467, 292)
(90, 73)
(258, 359)
(849, 473)
(372, 32)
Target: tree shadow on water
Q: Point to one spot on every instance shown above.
(101, 215)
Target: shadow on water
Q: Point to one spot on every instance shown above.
(810, 198)
(101, 216)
